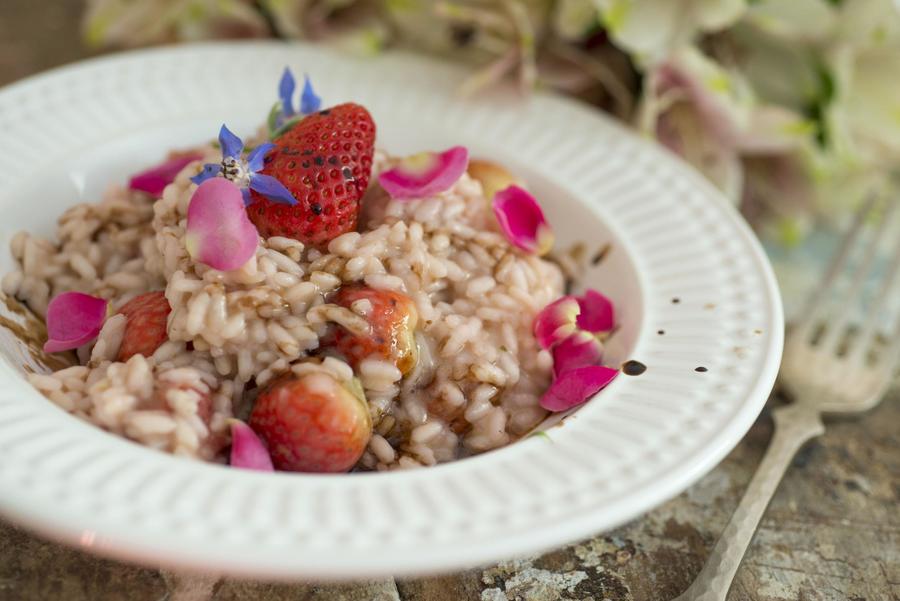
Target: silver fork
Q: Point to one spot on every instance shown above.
(825, 373)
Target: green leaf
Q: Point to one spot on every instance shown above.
(272, 119)
(817, 109)
(287, 126)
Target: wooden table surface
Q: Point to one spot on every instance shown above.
(832, 532)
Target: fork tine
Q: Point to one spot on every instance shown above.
(869, 327)
(886, 369)
(891, 356)
(851, 298)
(814, 303)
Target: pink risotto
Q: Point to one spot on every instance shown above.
(304, 301)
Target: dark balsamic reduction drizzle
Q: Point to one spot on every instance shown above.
(701, 369)
(633, 368)
(601, 254)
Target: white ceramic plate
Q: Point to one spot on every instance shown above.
(66, 134)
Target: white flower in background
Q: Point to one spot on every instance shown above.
(142, 22)
(864, 117)
(501, 36)
(682, 129)
(353, 26)
(775, 129)
(794, 20)
(710, 116)
(826, 63)
(840, 82)
(690, 76)
(780, 70)
(575, 19)
(650, 30)
(869, 23)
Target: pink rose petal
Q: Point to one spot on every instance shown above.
(522, 220)
(556, 321)
(247, 450)
(73, 319)
(425, 174)
(576, 386)
(592, 312)
(578, 350)
(597, 313)
(154, 180)
(219, 233)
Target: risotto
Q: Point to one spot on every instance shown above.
(313, 304)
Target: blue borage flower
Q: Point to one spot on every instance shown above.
(245, 173)
(283, 115)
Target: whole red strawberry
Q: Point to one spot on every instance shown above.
(325, 161)
(145, 325)
(312, 423)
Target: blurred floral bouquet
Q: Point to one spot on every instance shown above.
(791, 107)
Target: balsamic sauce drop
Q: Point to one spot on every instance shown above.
(633, 368)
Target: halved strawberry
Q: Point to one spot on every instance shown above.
(392, 317)
(145, 326)
(312, 423)
(325, 161)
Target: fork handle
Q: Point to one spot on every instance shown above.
(794, 425)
